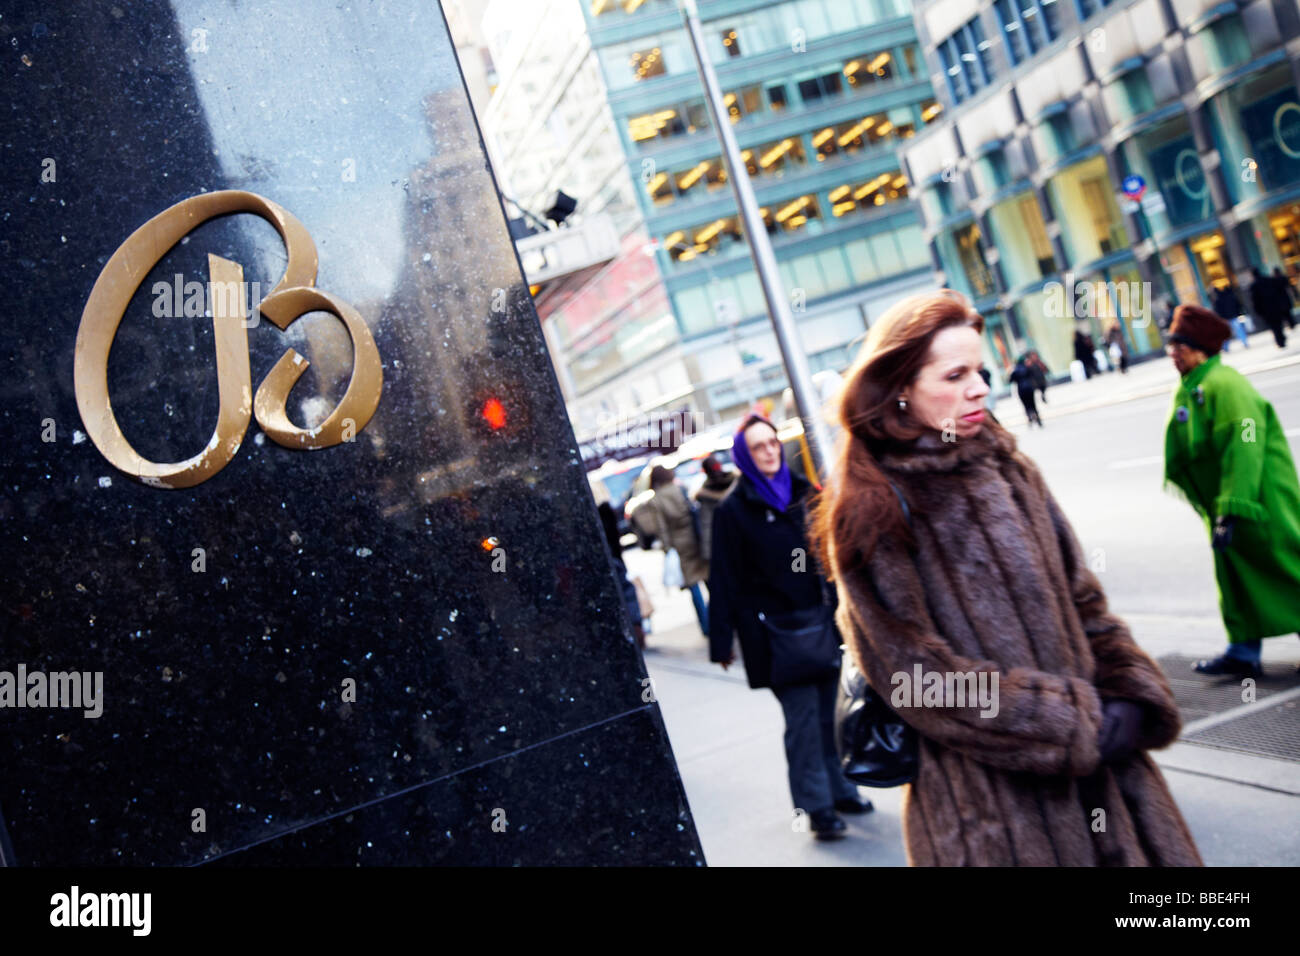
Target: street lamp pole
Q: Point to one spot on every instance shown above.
(760, 248)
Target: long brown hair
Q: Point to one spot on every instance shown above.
(858, 505)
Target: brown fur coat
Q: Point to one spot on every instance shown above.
(997, 582)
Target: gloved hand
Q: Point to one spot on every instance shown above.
(1223, 527)
(1120, 723)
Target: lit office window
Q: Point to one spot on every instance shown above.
(864, 70)
(965, 58)
(661, 124)
(774, 158)
(1028, 25)
(791, 216)
(647, 63)
(930, 111)
(864, 196)
(743, 102)
(851, 137)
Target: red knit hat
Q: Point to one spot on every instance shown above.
(1200, 328)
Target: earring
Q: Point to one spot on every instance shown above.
(902, 404)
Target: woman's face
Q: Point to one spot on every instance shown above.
(764, 448)
(948, 393)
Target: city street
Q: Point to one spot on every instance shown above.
(1152, 554)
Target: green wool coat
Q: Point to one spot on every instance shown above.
(1226, 452)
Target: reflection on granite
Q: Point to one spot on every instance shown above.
(578, 805)
(450, 566)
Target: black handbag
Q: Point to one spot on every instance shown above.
(876, 747)
(805, 645)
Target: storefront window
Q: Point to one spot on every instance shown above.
(1133, 302)
(1177, 191)
(1084, 204)
(1048, 323)
(1257, 131)
(964, 261)
(1020, 235)
(1208, 251)
(1278, 236)
(1177, 264)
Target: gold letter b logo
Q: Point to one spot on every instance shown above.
(295, 295)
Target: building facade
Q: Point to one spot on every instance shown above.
(1050, 106)
(821, 94)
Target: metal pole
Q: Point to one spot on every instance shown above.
(760, 248)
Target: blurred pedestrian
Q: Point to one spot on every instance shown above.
(1227, 305)
(1117, 346)
(1085, 350)
(1023, 377)
(1271, 304)
(1039, 369)
(609, 523)
(671, 514)
(762, 575)
(1284, 283)
(1226, 452)
(718, 482)
(957, 570)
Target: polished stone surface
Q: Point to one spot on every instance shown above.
(455, 571)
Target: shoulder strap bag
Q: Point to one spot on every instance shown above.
(876, 747)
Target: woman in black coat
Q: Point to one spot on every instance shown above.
(761, 562)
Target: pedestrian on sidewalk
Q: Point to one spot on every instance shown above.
(1227, 305)
(1117, 346)
(1023, 377)
(609, 523)
(1270, 302)
(1226, 452)
(718, 482)
(1039, 368)
(762, 565)
(1086, 352)
(1284, 283)
(982, 583)
(672, 516)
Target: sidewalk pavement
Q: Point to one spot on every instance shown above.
(1155, 376)
(727, 739)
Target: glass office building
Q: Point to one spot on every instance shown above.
(1049, 104)
(821, 95)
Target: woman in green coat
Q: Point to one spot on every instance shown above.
(1226, 452)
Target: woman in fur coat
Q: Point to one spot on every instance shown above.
(984, 585)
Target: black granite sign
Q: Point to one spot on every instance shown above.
(326, 637)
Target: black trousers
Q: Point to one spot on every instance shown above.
(1031, 407)
(816, 780)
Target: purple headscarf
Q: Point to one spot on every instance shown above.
(775, 490)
